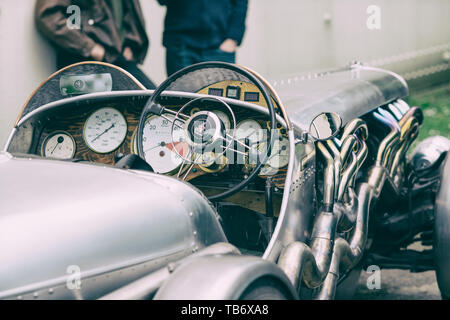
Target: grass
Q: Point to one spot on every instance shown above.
(435, 105)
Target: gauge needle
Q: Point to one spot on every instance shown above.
(154, 147)
(171, 146)
(181, 147)
(251, 133)
(112, 126)
(60, 140)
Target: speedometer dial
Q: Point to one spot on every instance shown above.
(105, 130)
(162, 151)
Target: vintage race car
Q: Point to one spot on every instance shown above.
(218, 185)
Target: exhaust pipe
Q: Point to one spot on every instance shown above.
(347, 254)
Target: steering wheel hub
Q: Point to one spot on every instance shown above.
(205, 130)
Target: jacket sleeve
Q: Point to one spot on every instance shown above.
(51, 20)
(236, 24)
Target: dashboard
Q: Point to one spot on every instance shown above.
(102, 129)
(104, 133)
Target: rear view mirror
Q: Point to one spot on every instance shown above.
(325, 125)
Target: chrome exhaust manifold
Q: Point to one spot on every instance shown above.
(346, 206)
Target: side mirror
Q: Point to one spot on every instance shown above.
(325, 126)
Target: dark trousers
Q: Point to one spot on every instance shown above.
(64, 59)
(178, 58)
(133, 68)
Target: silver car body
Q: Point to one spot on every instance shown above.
(115, 225)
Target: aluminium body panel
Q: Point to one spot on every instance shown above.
(57, 214)
(350, 92)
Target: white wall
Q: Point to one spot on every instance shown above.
(283, 37)
(25, 60)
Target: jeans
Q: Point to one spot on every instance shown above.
(178, 58)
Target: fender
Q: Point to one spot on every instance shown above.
(221, 278)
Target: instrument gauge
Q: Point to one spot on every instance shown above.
(279, 157)
(105, 130)
(224, 118)
(251, 130)
(162, 150)
(58, 145)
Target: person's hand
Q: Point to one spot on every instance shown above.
(128, 54)
(98, 52)
(229, 45)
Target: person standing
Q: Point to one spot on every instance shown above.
(112, 31)
(202, 30)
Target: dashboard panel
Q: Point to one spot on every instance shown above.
(101, 128)
(239, 90)
(74, 123)
(73, 134)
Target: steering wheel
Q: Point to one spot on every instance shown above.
(204, 129)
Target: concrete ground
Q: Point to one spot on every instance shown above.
(400, 285)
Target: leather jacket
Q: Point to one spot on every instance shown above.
(97, 27)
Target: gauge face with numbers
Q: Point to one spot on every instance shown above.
(105, 130)
(161, 146)
(58, 145)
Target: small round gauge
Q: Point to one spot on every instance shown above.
(279, 157)
(105, 130)
(251, 130)
(59, 145)
(224, 118)
(211, 162)
(162, 151)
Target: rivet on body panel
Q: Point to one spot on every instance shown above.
(171, 267)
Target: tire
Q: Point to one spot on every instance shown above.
(265, 289)
(441, 245)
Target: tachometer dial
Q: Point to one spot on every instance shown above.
(59, 145)
(159, 145)
(105, 130)
(279, 157)
(251, 130)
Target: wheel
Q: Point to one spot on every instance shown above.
(265, 289)
(441, 245)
